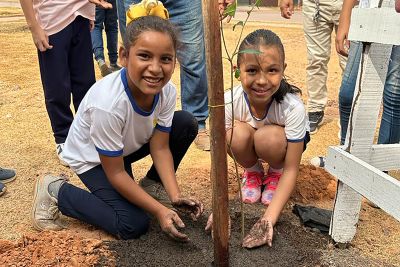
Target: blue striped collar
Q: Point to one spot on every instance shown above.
(136, 108)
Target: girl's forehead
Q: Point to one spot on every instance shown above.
(265, 53)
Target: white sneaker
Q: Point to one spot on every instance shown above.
(60, 155)
(318, 162)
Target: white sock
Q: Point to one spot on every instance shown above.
(255, 168)
(275, 170)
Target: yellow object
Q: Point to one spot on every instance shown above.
(146, 8)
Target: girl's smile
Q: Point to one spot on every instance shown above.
(149, 63)
(261, 76)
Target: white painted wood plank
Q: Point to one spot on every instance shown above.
(367, 99)
(385, 157)
(375, 25)
(378, 187)
(344, 221)
(363, 121)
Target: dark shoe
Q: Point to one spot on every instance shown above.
(3, 189)
(6, 175)
(315, 119)
(115, 67)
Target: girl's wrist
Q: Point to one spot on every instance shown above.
(269, 218)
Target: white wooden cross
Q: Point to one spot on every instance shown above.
(358, 165)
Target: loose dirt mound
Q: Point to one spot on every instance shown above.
(314, 184)
(53, 249)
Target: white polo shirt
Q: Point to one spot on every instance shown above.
(290, 113)
(109, 122)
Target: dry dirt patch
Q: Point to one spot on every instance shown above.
(26, 144)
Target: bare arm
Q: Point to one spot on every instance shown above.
(397, 6)
(287, 182)
(164, 164)
(39, 36)
(262, 232)
(341, 42)
(129, 189)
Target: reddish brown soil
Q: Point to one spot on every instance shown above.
(53, 249)
(314, 184)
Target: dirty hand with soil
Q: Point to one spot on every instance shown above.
(168, 218)
(261, 233)
(190, 206)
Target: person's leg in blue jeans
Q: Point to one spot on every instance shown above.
(120, 4)
(97, 34)
(389, 131)
(103, 206)
(111, 28)
(346, 91)
(187, 16)
(97, 40)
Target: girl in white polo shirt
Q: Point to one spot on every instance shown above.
(124, 117)
(270, 124)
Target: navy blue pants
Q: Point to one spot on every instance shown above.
(66, 69)
(103, 206)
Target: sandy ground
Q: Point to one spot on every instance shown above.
(26, 144)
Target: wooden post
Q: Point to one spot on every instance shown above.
(217, 131)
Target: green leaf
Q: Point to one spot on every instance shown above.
(230, 10)
(249, 51)
(237, 73)
(240, 23)
(258, 3)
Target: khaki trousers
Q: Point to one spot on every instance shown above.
(318, 40)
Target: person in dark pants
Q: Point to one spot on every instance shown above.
(62, 38)
(124, 117)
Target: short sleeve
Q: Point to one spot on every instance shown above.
(106, 133)
(167, 109)
(228, 109)
(295, 124)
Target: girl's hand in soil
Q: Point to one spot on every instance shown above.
(261, 233)
(167, 219)
(189, 206)
(209, 225)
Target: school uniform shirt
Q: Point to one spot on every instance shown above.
(53, 16)
(290, 114)
(110, 123)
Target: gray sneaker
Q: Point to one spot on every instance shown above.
(156, 190)
(45, 213)
(6, 175)
(3, 189)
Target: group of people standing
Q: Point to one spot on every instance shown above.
(130, 113)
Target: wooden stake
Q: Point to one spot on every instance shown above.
(217, 131)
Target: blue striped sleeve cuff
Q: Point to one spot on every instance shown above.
(109, 153)
(163, 128)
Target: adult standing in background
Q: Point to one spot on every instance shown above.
(320, 19)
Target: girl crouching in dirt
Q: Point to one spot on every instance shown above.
(124, 117)
(270, 124)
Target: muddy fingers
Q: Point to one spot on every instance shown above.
(261, 233)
